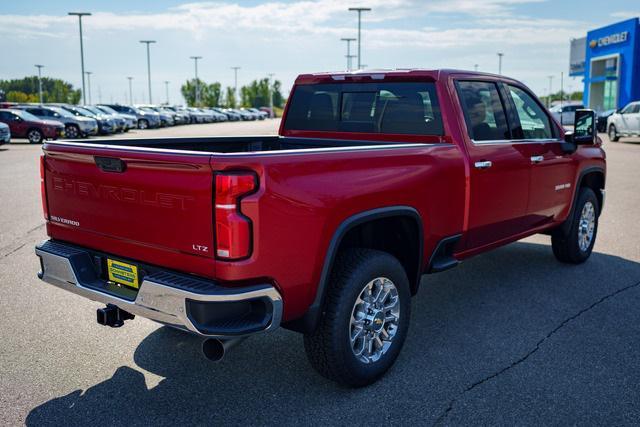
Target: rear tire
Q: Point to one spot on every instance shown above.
(360, 336)
(576, 246)
(143, 124)
(613, 133)
(35, 136)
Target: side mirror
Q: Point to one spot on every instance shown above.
(17, 119)
(584, 131)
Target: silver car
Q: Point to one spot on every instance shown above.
(74, 126)
(565, 113)
(130, 121)
(624, 122)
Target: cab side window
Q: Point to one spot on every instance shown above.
(534, 122)
(483, 111)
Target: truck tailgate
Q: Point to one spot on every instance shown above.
(160, 202)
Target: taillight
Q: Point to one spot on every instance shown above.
(233, 230)
(43, 194)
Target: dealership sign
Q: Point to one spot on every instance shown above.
(616, 38)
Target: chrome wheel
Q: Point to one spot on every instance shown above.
(374, 320)
(586, 226)
(34, 136)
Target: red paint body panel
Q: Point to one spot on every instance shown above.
(160, 209)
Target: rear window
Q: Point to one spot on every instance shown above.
(397, 108)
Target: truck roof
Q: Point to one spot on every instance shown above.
(396, 74)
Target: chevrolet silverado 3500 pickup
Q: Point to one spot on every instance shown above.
(375, 179)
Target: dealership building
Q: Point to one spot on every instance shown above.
(608, 60)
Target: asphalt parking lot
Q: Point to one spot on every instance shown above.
(509, 337)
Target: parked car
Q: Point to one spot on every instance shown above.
(120, 122)
(183, 114)
(129, 121)
(74, 126)
(270, 113)
(197, 116)
(565, 112)
(106, 124)
(244, 115)
(25, 125)
(216, 116)
(145, 119)
(602, 117)
(413, 172)
(625, 122)
(231, 116)
(260, 115)
(165, 118)
(5, 133)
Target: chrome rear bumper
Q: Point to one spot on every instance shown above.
(167, 297)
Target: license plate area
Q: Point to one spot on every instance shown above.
(123, 273)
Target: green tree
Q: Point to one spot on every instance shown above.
(53, 90)
(257, 93)
(210, 94)
(230, 98)
(17, 96)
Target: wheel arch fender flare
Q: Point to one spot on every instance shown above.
(576, 193)
(309, 321)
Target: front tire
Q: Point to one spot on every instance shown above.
(613, 133)
(143, 124)
(35, 136)
(365, 320)
(575, 246)
(72, 132)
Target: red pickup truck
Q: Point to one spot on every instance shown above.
(375, 179)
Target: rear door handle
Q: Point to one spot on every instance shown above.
(485, 164)
(536, 159)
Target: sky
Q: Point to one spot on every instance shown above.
(290, 37)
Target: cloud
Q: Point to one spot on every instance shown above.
(626, 14)
(488, 21)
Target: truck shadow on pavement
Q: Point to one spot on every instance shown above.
(496, 320)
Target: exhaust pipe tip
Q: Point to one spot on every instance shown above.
(213, 349)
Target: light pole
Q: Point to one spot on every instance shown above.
(166, 88)
(80, 15)
(475, 67)
(500, 55)
(359, 10)
(235, 85)
(549, 97)
(130, 91)
(349, 56)
(148, 42)
(88, 73)
(40, 67)
(270, 95)
(195, 60)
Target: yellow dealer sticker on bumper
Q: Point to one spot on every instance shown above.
(123, 273)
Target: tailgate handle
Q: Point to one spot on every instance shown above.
(110, 164)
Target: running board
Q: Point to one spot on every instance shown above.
(442, 258)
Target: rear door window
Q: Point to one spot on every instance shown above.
(392, 108)
(484, 111)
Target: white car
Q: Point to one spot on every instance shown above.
(624, 122)
(565, 113)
